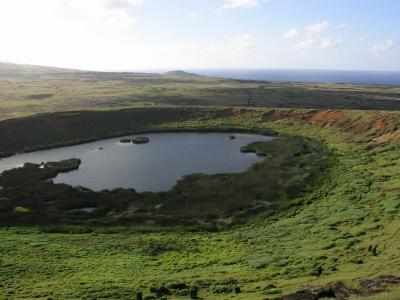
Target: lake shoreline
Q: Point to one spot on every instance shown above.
(143, 166)
(140, 132)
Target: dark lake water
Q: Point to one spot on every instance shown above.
(155, 166)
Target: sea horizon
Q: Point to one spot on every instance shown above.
(362, 77)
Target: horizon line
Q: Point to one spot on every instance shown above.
(201, 68)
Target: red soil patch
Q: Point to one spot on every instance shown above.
(378, 128)
(387, 137)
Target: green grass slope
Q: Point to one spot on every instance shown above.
(334, 227)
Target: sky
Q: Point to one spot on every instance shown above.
(193, 34)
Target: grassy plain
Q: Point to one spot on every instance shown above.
(26, 90)
(357, 205)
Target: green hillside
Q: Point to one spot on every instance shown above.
(342, 230)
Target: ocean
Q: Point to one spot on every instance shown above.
(312, 76)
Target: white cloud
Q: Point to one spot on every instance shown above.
(122, 4)
(330, 43)
(89, 34)
(294, 32)
(242, 42)
(343, 27)
(194, 14)
(113, 12)
(227, 52)
(324, 43)
(230, 4)
(316, 28)
(382, 46)
(102, 35)
(306, 44)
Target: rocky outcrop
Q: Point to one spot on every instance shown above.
(64, 165)
(160, 291)
(338, 290)
(125, 141)
(135, 140)
(379, 284)
(140, 140)
(311, 293)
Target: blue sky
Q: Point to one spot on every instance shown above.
(187, 34)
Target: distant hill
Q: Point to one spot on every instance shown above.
(179, 73)
(25, 70)
(10, 69)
